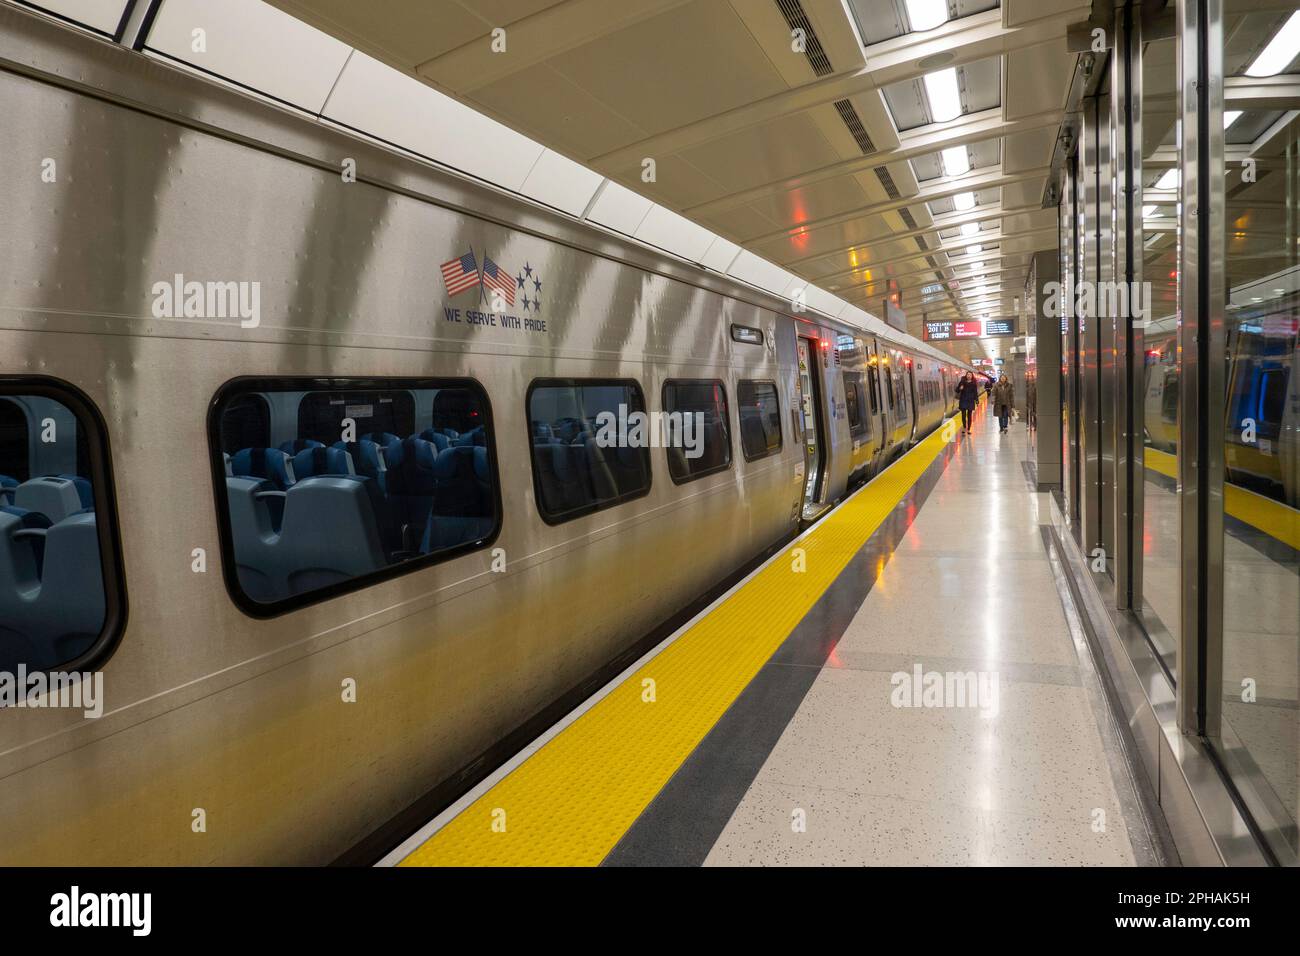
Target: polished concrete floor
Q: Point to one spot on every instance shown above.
(1025, 768)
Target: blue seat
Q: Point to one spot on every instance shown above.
(462, 502)
(319, 460)
(475, 436)
(411, 486)
(85, 491)
(55, 497)
(382, 439)
(562, 473)
(51, 611)
(272, 467)
(7, 486)
(436, 438)
(367, 459)
(295, 445)
(29, 521)
(269, 464)
(329, 535)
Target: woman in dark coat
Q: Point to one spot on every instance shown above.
(968, 392)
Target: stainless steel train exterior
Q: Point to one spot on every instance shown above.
(229, 737)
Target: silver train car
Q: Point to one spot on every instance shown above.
(1262, 404)
(331, 516)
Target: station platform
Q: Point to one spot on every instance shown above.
(906, 683)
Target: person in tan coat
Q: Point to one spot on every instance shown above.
(1001, 398)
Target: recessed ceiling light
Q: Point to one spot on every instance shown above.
(943, 94)
(975, 250)
(1147, 211)
(1230, 117)
(970, 229)
(926, 14)
(963, 201)
(1169, 180)
(1281, 50)
(955, 161)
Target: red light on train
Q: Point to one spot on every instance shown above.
(826, 344)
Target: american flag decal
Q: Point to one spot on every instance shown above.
(498, 279)
(460, 274)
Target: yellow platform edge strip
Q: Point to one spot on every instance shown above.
(570, 802)
(1263, 514)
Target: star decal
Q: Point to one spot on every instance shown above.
(537, 284)
(520, 280)
(528, 269)
(526, 303)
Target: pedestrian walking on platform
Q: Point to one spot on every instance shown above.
(1001, 399)
(968, 392)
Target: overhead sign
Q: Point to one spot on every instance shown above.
(990, 328)
(743, 333)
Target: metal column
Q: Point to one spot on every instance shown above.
(1129, 344)
(1094, 344)
(1047, 346)
(1201, 348)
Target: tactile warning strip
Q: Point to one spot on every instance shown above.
(569, 803)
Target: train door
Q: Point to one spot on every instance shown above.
(810, 406)
(916, 406)
(876, 387)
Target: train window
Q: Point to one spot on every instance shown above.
(760, 419)
(588, 453)
(873, 376)
(858, 422)
(701, 445)
(353, 482)
(62, 603)
(1272, 401)
(14, 439)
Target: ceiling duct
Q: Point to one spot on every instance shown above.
(794, 15)
(854, 122)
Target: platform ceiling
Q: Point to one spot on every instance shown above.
(825, 160)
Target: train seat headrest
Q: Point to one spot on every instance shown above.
(320, 460)
(435, 438)
(269, 463)
(54, 497)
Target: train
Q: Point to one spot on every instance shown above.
(308, 472)
(1262, 404)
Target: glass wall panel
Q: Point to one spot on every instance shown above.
(1159, 549)
(1260, 179)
